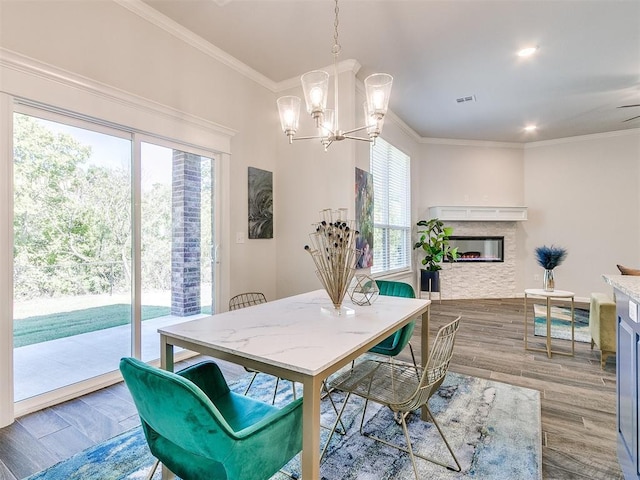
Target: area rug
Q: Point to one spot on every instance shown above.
(561, 323)
(494, 428)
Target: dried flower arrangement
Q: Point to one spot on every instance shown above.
(333, 249)
(550, 257)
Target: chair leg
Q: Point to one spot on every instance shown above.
(408, 440)
(255, 374)
(413, 357)
(275, 391)
(435, 422)
(335, 425)
(409, 450)
(364, 412)
(293, 387)
(335, 409)
(154, 467)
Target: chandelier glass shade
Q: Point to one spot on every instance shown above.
(315, 86)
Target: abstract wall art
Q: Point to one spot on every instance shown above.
(364, 217)
(260, 203)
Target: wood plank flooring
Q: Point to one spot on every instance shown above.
(577, 398)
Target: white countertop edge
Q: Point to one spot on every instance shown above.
(627, 284)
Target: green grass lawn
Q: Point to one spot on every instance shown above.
(43, 328)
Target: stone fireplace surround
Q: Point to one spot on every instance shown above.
(462, 280)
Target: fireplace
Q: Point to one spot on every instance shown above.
(482, 279)
(479, 248)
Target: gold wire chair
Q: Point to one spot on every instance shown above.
(397, 387)
(249, 299)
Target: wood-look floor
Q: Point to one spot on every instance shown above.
(577, 398)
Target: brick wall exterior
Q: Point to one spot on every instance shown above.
(185, 245)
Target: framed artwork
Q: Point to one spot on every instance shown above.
(260, 194)
(364, 217)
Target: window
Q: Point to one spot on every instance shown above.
(392, 208)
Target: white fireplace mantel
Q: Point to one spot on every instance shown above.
(478, 213)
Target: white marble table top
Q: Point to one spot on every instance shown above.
(544, 293)
(294, 333)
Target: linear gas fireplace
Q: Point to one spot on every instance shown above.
(479, 249)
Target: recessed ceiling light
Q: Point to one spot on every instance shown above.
(530, 128)
(527, 52)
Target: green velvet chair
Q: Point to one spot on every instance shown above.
(200, 430)
(394, 344)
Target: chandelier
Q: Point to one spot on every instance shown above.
(315, 85)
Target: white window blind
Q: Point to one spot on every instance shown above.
(392, 208)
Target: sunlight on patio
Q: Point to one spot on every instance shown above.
(49, 365)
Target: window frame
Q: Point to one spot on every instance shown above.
(392, 154)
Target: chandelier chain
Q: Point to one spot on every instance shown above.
(336, 46)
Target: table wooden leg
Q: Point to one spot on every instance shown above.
(525, 321)
(549, 327)
(167, 474)
(311, 429)
(573, 324)
(424, 351)
(166, 354)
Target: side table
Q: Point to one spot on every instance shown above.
(555, 294)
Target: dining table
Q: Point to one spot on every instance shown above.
(302, 338)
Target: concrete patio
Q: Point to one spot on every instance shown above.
(46, 366)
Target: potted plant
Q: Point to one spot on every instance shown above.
(549, 258)
(434, 241)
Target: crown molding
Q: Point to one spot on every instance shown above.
(32, 67)
(396, 120)
(349, 65)
(471, 143)
(165, 23)
(583, 138)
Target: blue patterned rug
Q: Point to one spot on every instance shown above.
(561, 323)
(493, 427)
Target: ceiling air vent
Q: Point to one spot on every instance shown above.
(469, 98)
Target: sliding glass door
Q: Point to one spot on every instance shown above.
(176, 239)
(113, 236)
(72, 252)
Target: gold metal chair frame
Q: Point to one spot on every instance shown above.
(403, 388)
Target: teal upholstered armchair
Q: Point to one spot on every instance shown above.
(200, 430)
(394, 344)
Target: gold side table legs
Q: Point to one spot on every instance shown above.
(548, 296)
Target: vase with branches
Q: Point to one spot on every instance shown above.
(333, 249)
(549, 258)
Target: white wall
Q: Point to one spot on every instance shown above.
(582, 194)
(310, 180)
(473, 173)
(107, 43)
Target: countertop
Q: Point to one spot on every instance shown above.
(629, 284)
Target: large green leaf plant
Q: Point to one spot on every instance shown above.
(434, 240)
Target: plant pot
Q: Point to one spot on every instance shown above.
(429, 281)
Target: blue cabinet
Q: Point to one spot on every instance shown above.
(628, 355)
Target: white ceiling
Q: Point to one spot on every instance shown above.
(588, 62)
